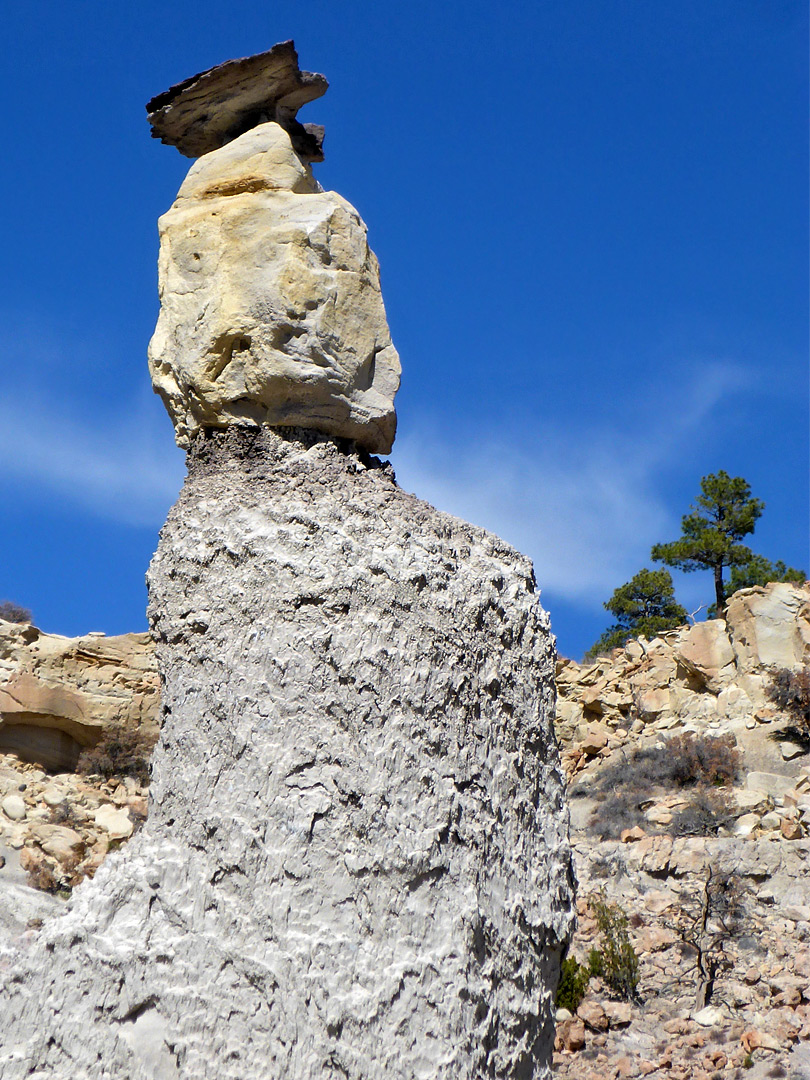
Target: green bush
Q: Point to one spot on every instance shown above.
(617, 963)
(574, 979)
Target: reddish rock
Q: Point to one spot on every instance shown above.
(570, 1036)
(593, 1014)
(758, 1040)
(791, 828)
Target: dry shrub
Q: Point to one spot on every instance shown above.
(706, 814)
(790, 692)
(60, 879)
(684, 761)
(688, 760)
(14, 612)
(119, 754)
(65, 814)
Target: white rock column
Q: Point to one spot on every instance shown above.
(356, 862)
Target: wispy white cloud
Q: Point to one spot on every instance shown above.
(586, 503)
(128, 471)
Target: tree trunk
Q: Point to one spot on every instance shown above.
(720, 592)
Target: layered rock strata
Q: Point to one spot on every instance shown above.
(714, 673)
(59, 695)
(356, 861)
(208, 110)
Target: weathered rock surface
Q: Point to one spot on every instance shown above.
(271, 310)
(356, 862)
(712, 674)
(208, 110)
(59, 695)
(749, 864)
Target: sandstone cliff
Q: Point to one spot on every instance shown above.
(59, 695)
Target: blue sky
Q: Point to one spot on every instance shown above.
(591, 217)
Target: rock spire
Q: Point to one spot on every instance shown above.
(271, 311)
(356, 861)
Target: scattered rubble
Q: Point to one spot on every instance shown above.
(720, 923)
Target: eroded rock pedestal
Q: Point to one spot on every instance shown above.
(356, 861)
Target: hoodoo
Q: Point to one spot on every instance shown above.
(356, 861)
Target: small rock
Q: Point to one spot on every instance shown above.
(710, 1016)
(627, 836)
(758, 1040)
(771, 820)
(53, 796)
(594, 1015)
(746, 824)
(619, 1013)
(14, 808)
(679, 1026)
(61, 842)
(570, 1035)
(796, 913)
(792, 829)
(658, 900)
(791, 750)
(595, 739)
(660, 814)
(116, 822)
(751, 799)
(563, 1014)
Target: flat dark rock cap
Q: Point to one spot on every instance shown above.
(208, 110)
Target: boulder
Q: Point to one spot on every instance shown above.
(271, 311)
(115, 822)
(705, 651)
(651, 703)
(770, 626)
(595, 738)
(774, 785)
(14, 807)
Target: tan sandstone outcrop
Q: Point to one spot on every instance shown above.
(714, 671)
(58, 695)
(271, 310)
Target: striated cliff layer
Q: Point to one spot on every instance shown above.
(356, 861)
(59, 695)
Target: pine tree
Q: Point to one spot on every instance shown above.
(722, 515)
(645, 605)
(758, 571)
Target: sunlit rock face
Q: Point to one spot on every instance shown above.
(271, 311)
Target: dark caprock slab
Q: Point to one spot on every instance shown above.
(208, 110)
